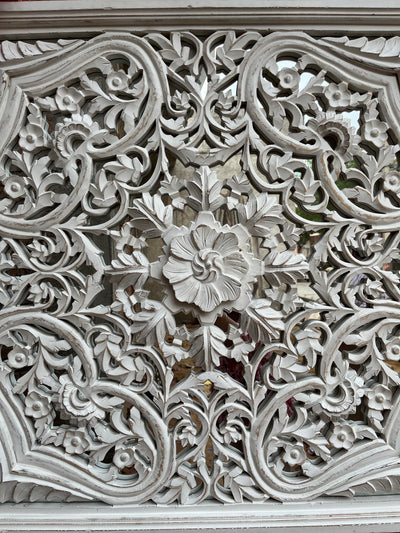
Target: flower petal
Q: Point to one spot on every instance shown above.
(204, 237)
(235, 266)
(229, 289)
(187, 290)
(182, 247)
(176, 270)
(226, 243)
(208, 298)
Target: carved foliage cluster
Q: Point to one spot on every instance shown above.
(117, 268)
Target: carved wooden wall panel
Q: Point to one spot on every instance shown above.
(157, 193)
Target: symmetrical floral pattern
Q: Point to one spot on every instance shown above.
(199, 280)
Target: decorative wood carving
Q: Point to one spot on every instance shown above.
(115, 268)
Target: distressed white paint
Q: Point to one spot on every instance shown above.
(90, 131)
(361, 515)
(72, 17)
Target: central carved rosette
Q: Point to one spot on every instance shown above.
(209, 267)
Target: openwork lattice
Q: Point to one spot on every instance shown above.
(199, 287)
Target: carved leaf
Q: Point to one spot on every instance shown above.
(284, 267)
(10, 50)
(205, 191)
(208, 346)
(379, 46)
(260, 213)
(152, 323)
(151, 216)
(262, 322)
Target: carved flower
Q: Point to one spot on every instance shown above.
(75, 403)
(393, 350)
(31, 137)
(375, 289)
(391, 182)
(181, 100)
(72, 133)
(205, 268)
(15, 186)
(338, 95)
(343, 395)
(17, 358)
(289, 78)
(379, 398)
(337, 132)
(117, 81)
(68, 99)
(230, 433)
(342, 436)
(37, 406)
(75, 441)
(40, 292)
(375, 132)
(208, 265)
(124, 457)
(225, 101)
(294, 455)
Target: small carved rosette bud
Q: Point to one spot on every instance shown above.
(36, 405)
(342, 436)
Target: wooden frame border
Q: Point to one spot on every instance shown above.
(360, 515)
(83, 17)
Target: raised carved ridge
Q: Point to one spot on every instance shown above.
(10, 50)
(380, 46)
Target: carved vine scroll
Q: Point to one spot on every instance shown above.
(225, 203)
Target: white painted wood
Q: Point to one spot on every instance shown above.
(361, 515)
(89, 127)
(77, 17)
